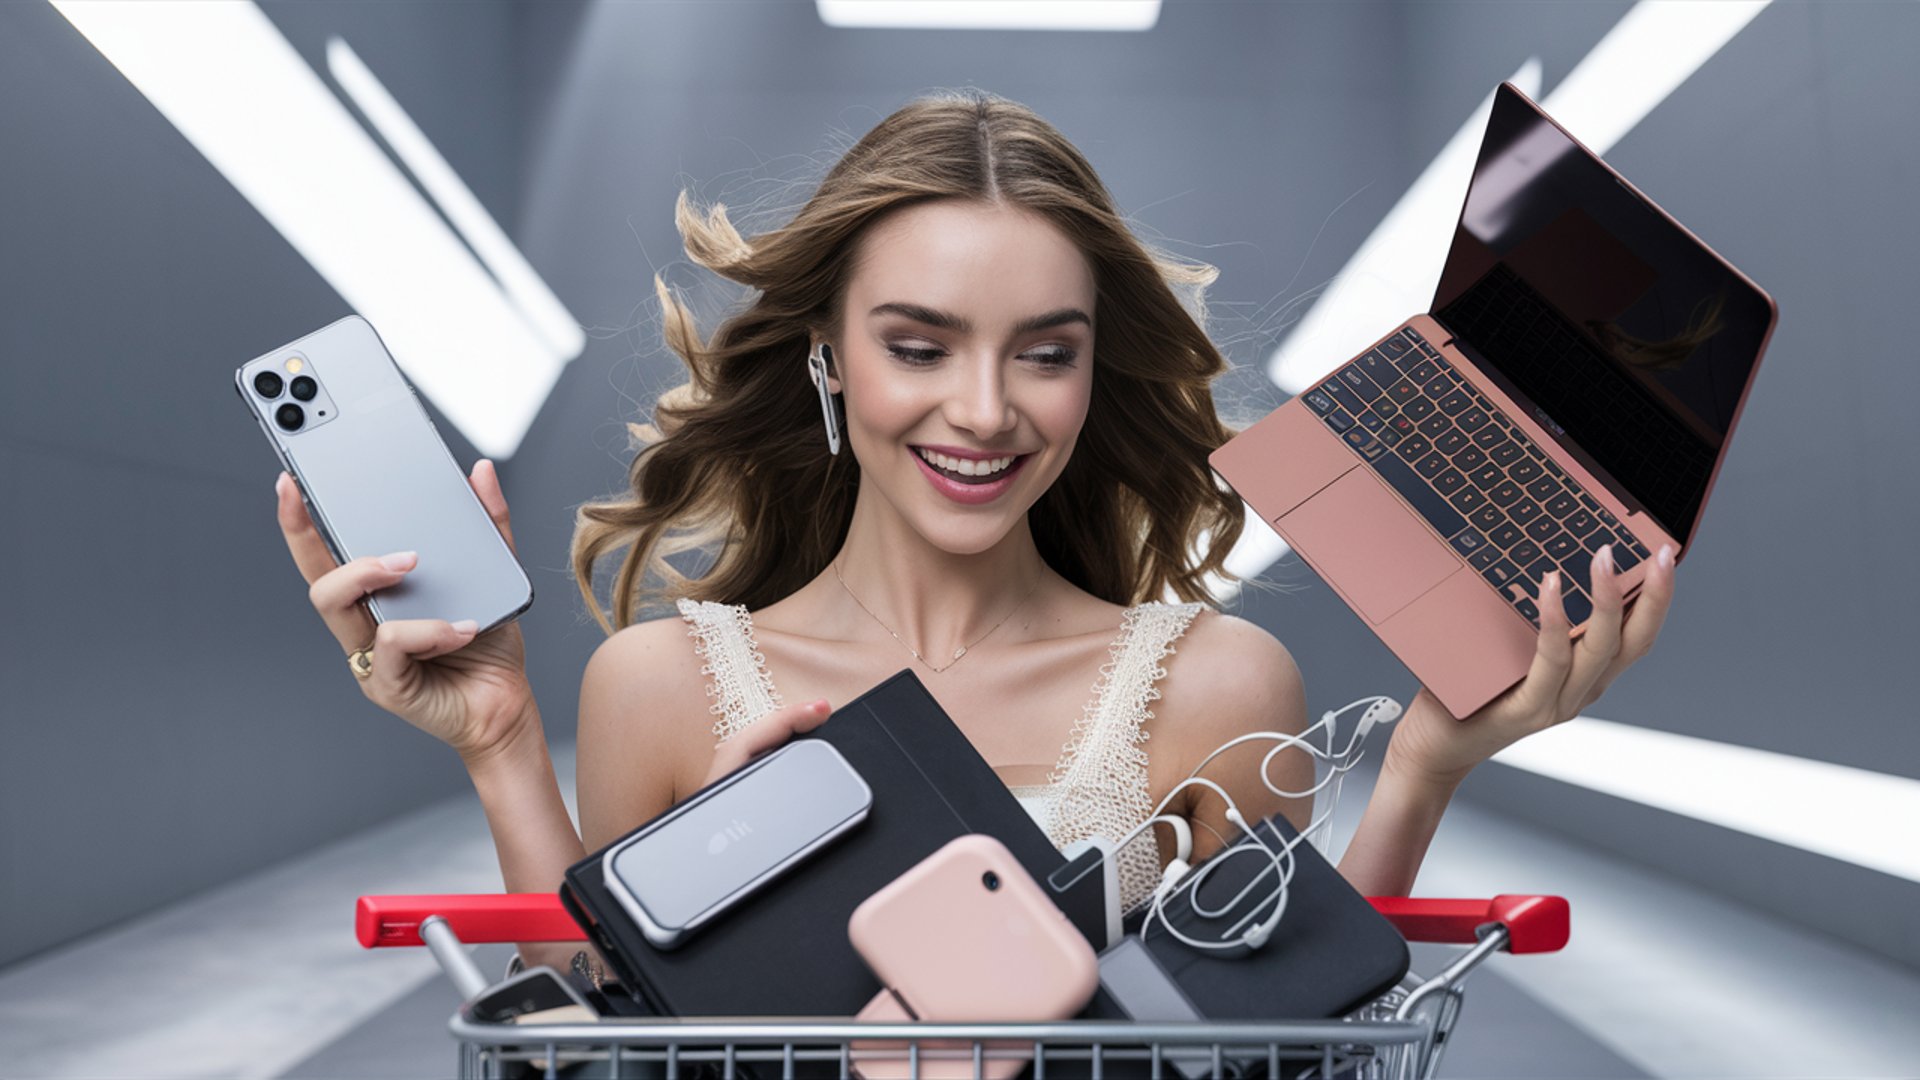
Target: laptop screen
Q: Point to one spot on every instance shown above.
(1625, 337)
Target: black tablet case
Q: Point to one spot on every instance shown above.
(1331, 953)
(785, 951)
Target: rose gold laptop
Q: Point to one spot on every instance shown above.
(1575, 383)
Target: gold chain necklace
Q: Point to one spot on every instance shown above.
(957, 653)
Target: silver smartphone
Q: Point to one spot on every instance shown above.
(377, 478)
(684, 868)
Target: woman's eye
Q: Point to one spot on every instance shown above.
(1053, 357)
(911, 355)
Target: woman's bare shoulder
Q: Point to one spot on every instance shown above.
(1230, 676)
(646, 680)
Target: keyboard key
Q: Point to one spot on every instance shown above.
(1538, 569)
(1417, 409)
(1561, 505)
(1416, 447)
(1485, 557)
(1378, 369)
(1524, 552)
(1403, 392)
(1554, 468)
(1395, 346)
(1505, 536)
(1359, 383)
(1343, 394)
(1560, 545)
(1523, 583)
(1525, 471)
(1390, 436)
(1607, 518)
(1530, 610)
(1433, 354)
(1319, 402)
(1468, 499)
(1450, 442)
(1524, 511)
(1505, 493)
(1471, 420)
(1431, 466)
(1578, 607)
(1586, 500)
(1578, 568)
(1449, 481)
(1506, 453)
(1435, 426)
(1542, 527)
(1486, 476)
(1623, 557)
(1414, 336)
(1487, 518)
(1469, 459)
(1468, 541)
(1500, 573)
(1398, 421)
(1488, 437)
(1339, 421)
(1423, 372)
(1371, 421)
(1544, 488)
(1581, 523)
(1425, 501)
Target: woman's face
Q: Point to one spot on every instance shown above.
(966, 358)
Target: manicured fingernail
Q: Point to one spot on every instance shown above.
(466, 626)
(399, 560)
(820, 705)
(1552, 581)
(1666, 554)
(1603, 559)
(279, 480)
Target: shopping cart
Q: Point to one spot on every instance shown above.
(1399, 1035)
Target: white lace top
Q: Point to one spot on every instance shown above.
(1099, 786)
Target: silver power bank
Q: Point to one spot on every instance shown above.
(719, 847)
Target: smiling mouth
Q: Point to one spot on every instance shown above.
(967, 470)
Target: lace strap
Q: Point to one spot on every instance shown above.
(740, 686)
(1103, 776)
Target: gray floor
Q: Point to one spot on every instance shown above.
(262, 978)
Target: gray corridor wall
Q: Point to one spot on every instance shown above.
(176, 716)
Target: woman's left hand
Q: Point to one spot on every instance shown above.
(1566, 677)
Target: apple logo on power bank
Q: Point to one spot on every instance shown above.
(735, 830)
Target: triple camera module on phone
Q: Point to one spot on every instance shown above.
(290, 416)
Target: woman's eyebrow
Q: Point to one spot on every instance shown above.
(947, 321)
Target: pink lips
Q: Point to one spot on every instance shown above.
(970, 494)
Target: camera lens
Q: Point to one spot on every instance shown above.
(289, 416)
(304, 388)
(267, 384)
(991, 880)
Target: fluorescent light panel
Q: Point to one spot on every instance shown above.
(224, 75)
(991, 14)
(523, 284)
(1855, 815)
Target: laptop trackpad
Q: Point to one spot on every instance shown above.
(1361, 537)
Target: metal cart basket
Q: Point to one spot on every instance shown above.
(1399, 1035)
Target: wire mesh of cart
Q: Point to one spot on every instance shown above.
(1399, 1035)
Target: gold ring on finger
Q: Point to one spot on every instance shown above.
(361, 661)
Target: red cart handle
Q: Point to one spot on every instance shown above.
(1534, 923)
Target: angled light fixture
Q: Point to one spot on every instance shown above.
(991, 14)
(1855, 815)
(238, 91)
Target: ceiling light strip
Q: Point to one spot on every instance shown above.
(239, 92)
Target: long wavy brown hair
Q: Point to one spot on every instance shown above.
(735, 464)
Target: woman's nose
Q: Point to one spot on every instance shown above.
(980, 404)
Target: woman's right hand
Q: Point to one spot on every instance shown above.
(765, 734)
(468, 691)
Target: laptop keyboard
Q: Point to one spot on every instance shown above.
(1503, 505)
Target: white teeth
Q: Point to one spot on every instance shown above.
(966, 466)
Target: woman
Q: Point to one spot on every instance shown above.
(1009, 473)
